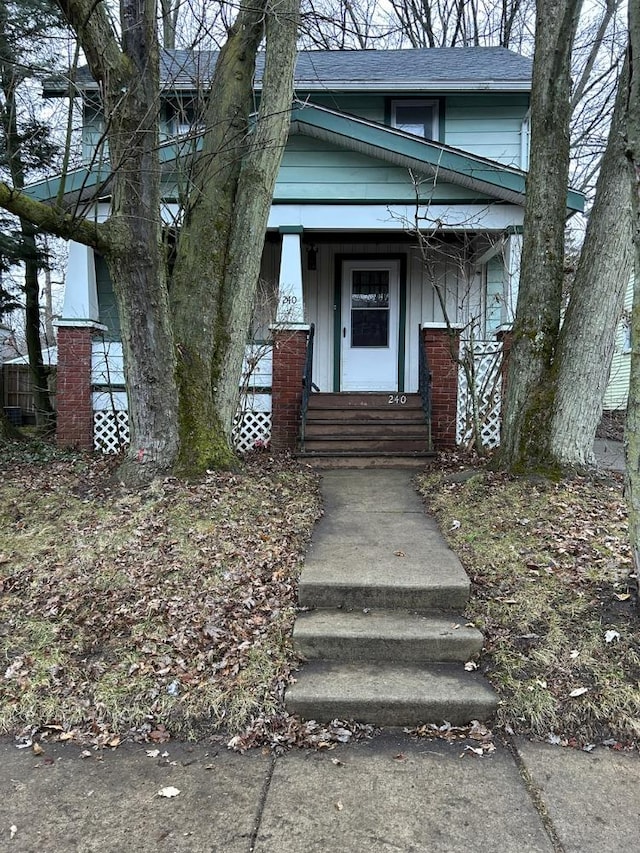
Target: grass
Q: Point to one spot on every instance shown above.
(551, 576)
(122, 612)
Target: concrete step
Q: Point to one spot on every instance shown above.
(387, 694)
(384, 635)
(381, 560)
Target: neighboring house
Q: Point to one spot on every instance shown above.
(377, 138)
(615, 398)
(17, 388)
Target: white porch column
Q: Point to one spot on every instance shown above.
(80, 303)
(290, 299)
(513, 256)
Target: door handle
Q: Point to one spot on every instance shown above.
(344, 331)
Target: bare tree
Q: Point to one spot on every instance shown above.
(535, 333)
(233, 176)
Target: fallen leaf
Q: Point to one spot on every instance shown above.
(37, 749)
(622, 596)
(399, 554)
(455, 524)
(610, 636)
(470, 665)
(168, 792)
(339, 806)
(578, 691)
(153, 753)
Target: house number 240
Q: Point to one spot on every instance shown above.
(397, 399)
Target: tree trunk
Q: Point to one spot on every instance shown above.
(9, 81)
(632, 428)
(526, 413)
(196, 287)
(135, 257)
(253, 202)
(588, 332)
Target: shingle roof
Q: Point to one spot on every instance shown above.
(444, 67)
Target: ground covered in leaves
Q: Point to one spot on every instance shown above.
(154, 613)
(554, 595)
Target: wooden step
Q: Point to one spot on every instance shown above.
(354, 444)
(365, 400)
(365, 430)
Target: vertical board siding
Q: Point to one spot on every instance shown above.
(618, 386)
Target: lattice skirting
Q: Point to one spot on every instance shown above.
(251, 430)
(488, 383)
(110, 431)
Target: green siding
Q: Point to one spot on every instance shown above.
(495, 294)
(319, 171)
(487, 125)
(370, 107)
(107, 305)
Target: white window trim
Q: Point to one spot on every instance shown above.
(419, 102)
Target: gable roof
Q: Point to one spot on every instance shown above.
(427, 157)
(442, 69)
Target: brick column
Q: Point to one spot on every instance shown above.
(289, 352)
(73, 395)
(444, 384)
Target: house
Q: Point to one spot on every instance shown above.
(383, 146)
(615, 397)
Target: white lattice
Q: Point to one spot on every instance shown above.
(110, 431)
(487, 363)
(251, 430)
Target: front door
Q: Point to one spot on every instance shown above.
(370, 326)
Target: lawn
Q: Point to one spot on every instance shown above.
(167, 612)
(554, 594)
(160, 612)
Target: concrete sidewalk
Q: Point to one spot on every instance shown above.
(389, 794)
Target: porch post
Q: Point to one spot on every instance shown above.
(438, 341)
(290, 334)
(513, 255)
(75, 331)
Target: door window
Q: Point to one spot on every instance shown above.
(370, 308)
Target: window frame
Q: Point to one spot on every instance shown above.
(432, 103)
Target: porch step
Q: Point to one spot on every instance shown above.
(332, 459)
(390, 694)
(368, 422)
(384, 635)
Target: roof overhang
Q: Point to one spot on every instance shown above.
(425, 158)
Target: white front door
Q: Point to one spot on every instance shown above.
(370, 325)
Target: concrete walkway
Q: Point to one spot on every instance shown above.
(387, 795)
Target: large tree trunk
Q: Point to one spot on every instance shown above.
(587, 336)
(632, 428)
(526, 414)
(136, 257)
(253, 202)
(196, 287)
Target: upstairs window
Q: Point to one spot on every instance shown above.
(418, 117)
